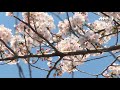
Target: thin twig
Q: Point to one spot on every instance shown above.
(53, 67)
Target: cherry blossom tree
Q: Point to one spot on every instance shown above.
(74, 42)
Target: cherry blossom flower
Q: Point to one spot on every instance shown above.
(9, 13)
(5, 33)
(113, 71)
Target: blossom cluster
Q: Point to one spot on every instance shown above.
(74, 23)
(69, 63)
(5, 33)
(112, 72)
(115, 15)
(41, 22)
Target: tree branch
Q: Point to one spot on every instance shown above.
(67, 53)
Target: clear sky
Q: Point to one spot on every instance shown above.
(11, 71)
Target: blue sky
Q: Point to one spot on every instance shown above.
(10, 71)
